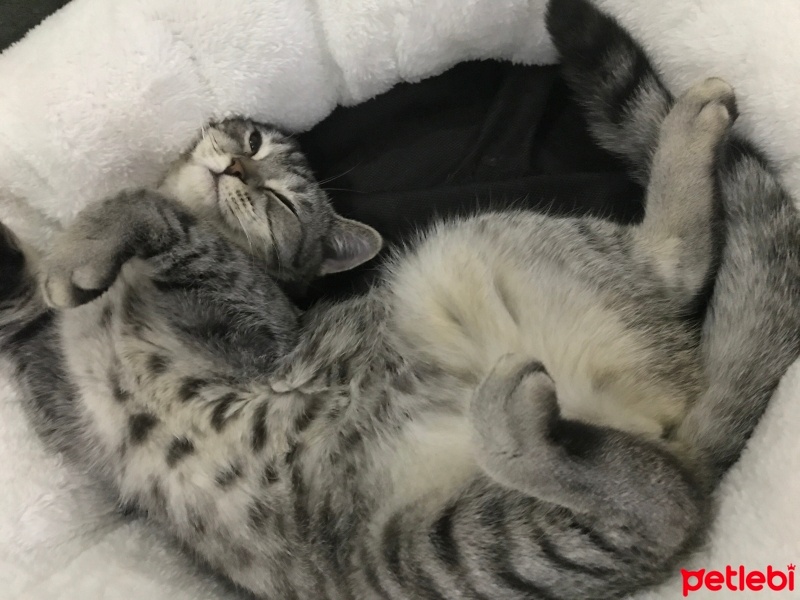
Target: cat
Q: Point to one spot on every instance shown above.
(523, 407)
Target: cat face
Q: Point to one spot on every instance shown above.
(254, 183)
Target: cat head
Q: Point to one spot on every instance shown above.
(254, 183)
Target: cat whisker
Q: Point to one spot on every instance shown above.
(214, 142)
(329, 179)
(244, 230)
(275, 252)
(324, 189)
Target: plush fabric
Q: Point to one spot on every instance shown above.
(104, 93)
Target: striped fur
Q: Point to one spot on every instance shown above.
(523, 407)
(751, 333)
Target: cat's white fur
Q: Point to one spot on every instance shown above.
(471, 299)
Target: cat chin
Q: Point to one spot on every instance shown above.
(193, 185)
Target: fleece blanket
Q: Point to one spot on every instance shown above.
(103, 94)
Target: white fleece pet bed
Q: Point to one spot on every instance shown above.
(105, 93)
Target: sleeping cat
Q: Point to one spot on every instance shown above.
(523, 407)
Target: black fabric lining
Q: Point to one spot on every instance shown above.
(483, 135)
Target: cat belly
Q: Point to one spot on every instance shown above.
(430, 456)
(88, 340)
(463, 303)
(108, 364)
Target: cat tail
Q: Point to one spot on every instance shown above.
(29, 337)
(609, 74)
(752, 328)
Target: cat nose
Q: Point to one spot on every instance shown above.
(235, 169)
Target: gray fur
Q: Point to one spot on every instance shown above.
(751, 333)
(495, 419)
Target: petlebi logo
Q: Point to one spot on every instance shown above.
(738, 579)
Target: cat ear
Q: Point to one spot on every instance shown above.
(349, 244)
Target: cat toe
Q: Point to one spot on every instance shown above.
(516, 386)
(712, 89)
(729, 101)
(56, 292)
(61, 290)
(711, 102)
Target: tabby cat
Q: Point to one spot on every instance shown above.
(523, 407)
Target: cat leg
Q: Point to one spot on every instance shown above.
(206, 289)
(562, 510)
(679, 232)
(524, 444)
(86, 258)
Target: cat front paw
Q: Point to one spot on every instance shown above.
(83, 263)
(78, 277)
(86, 258)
